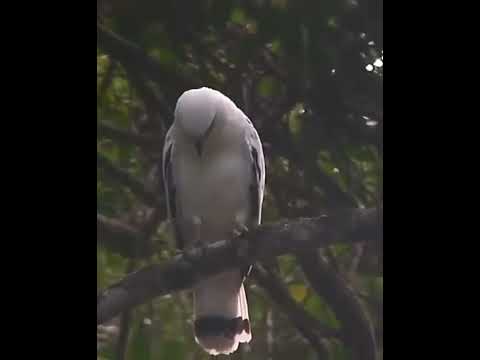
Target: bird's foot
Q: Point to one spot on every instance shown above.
(202, 247)
(237, 242)
(240, 230)
(195, 251)
(197, 243)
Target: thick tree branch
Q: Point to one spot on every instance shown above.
(182, 272)
(357, 330)
(125, 178)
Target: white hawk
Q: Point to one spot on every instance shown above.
(214, 176)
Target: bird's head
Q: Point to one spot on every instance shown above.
(195, 114)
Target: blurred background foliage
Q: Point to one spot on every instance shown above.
(309, 74)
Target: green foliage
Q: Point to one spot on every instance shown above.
(320, 309)
(139, 344)
(298, 291)
(317, 106)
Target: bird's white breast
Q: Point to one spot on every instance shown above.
(214, 187)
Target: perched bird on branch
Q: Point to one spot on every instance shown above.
(214, 176)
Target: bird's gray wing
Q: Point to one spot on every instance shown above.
(257, 182)
(169, 185)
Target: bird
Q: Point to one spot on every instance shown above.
(214, 179)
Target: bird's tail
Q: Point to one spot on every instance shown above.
(221, 314)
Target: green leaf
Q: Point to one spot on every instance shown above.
(238, 16)
(139, 346)
(298, 291)
(164, 56)
(268, 86)
(338, 351)
(276, 46)
(321, 310)
(295, 120)
(280, 4)
(173, 349)
(287, 264)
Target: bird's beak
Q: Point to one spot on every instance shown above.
(199, 143)
(199, 147)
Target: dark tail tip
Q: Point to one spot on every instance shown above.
(219, 326)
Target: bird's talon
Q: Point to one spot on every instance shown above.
(236, 233)
(240, 247)
(202, 247)
(240, 231)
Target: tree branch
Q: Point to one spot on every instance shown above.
(107, 79)
(128, 137)
(125, 178)
(139, 67)
(357, 329)
(121, 238)
(156, 104)
(126, 52)
(280, 295)
(310, 328)
(121, 348)
(262, 243)
(132, 57)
